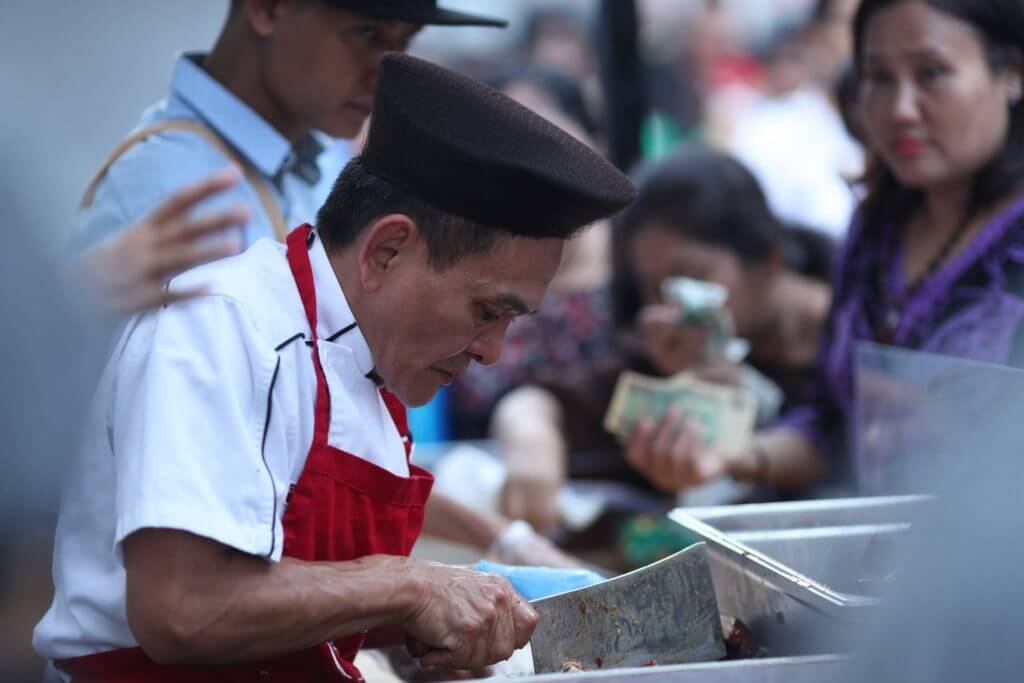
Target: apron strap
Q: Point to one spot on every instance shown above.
(400, 416)
(302, 271)
(258, 182)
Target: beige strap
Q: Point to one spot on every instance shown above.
(267, 198)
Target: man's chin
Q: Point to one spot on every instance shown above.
(415, 397)
(347, 127)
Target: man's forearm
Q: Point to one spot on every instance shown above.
(193, 600)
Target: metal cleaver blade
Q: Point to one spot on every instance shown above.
(664, 613)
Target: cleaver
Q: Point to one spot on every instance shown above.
(664, 613)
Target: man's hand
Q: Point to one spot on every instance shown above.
(128, 272)
(671, 454)
(466, 619)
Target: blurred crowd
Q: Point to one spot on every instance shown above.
(849, 171)
(744, 147)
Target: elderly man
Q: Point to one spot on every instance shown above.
(254, 440)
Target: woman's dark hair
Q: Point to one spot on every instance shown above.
(703, 195)
(847, 96)
(1000, 26)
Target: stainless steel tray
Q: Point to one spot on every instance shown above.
(774, 670)
(798, 623)
(849, 559)
(808, 514)
(829, 555)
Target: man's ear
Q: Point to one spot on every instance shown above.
(262, 15)
(388, 242)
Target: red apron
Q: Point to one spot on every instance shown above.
(342, 508)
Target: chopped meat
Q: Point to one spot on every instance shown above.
(739, 641)
(572, 666)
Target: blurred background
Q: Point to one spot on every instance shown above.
(76, 75)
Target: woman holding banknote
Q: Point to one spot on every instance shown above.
(699, 214)
(935, 257)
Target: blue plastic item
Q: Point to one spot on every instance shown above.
(429, 423)
(539, 582)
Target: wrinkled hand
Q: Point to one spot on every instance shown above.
(533, 498)
(672, 347)
(128, 271)
(540, 582)
(671, 454)
(467, 619)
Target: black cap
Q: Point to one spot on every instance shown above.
(414, 11)
(469, 150)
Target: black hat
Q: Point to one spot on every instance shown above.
(415, 11)
(469, 150)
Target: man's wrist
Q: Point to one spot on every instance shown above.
(509, 539)
(409, 587)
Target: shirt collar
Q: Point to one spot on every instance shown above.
(231, 118)
(335, 321)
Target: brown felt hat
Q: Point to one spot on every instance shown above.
(466, 148)
(415, 11)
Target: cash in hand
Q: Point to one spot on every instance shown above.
(724, 414)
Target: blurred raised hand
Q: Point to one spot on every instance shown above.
(128, 272)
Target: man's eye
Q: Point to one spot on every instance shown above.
(488, 314)
(367, 33)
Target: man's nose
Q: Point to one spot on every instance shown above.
(487, 347)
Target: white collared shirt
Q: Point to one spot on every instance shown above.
(202, 421)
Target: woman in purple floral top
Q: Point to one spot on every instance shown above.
(935, 258)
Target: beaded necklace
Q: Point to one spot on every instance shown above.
(885, 331)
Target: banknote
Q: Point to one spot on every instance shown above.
(694, 296)
(724, 414)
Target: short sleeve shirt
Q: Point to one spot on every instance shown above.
(202, 422)
(300, 175)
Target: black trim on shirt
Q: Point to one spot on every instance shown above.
(342, 331)
(263, 454)
(289, 340)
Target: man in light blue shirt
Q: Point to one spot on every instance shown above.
(298, 175)
(284, 84)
